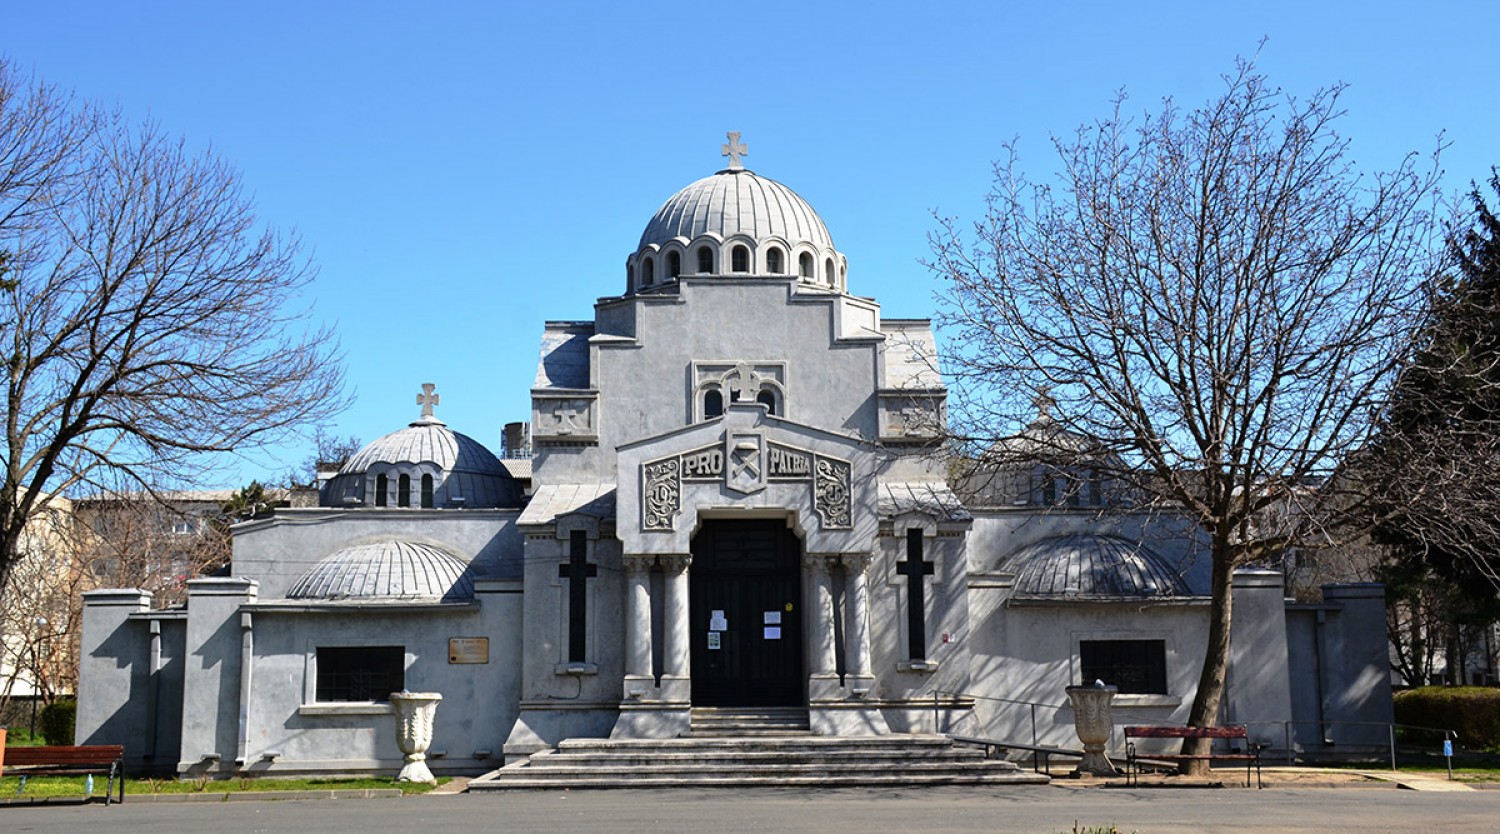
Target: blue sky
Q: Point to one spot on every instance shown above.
(463, 171)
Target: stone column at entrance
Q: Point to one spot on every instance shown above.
(857, 666)
(639, 681)
(821, 661)
(676, 666)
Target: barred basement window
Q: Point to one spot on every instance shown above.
(360, 673)
(1137, 667)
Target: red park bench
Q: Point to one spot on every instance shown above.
(1133, 759)
(102, 759)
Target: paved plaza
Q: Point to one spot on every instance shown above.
(1038, 810)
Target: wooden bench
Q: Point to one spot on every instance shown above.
(94, 759)
(1250, 756)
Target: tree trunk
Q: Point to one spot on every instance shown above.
(1205, 711)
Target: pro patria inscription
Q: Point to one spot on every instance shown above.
(745, 462)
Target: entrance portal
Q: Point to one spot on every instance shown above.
(746, 609)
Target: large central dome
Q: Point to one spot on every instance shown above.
(737, 202)
(735, 224)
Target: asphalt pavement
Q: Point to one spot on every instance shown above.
(1028, 809)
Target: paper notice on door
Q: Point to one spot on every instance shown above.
(713, 639)
(773, 618)
(773, 632)
(717, 622)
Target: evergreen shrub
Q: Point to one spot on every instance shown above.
(57, 721)
(1471, 711)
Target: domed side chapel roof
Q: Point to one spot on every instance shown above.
(467, 467)
(387, 570)
(1087, 566)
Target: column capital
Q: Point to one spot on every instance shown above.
(855, 561)
(637, 562)
(818, 562)
(674, 563)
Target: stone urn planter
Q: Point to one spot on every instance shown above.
(1093, 722)
(414, 714)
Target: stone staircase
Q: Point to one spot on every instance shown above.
(749, 722)
(742, 749)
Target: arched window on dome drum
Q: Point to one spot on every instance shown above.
(713, 404)
(740, 259)
(674, 264)
(403, 491)
(768, 399)
(648, 272)
(805, 265)
(828, 271)
(426, 492)
(705, 260)
(382, 487)
(773, 261)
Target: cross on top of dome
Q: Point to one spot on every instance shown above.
(427, 399)
(734, 149)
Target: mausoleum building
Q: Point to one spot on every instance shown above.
(737, 501)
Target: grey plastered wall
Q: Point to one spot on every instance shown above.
(1359, 672)
(290, 731)
(276, 551)
(1028, 653)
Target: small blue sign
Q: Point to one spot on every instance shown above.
(1448, 747)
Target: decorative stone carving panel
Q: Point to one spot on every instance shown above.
(915, 416)
(745, 462)
(565, 418)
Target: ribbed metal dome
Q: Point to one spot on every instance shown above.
(1082, 566)
(736, 201)
(427, 441)
(387, 570)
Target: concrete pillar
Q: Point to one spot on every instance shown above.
(114, 673)
(857, 615)
(214, 651)
(1357, 676)
(638, 674)
(675, 616)
(820, 616)
(1259, 691)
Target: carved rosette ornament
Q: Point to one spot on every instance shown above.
(1093, 721)
(661, 495)
(831, 493)
(414, 714)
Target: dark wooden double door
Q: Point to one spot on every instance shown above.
(746, 608)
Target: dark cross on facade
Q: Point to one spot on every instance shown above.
(427, 399)
(734, 150)
(913, 568)
(577, 571)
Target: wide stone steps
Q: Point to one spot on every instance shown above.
(806, 761)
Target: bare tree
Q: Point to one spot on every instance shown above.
(144, 326)
(1217, 297)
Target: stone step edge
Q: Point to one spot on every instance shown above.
(925, 768)
(1017, 778)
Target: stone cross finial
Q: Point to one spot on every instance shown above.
(1044, 403)
(734, 150)
(427, 399)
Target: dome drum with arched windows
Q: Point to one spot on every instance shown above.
(736, 223)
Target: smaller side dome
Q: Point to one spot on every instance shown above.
(387, 570)
(438, 467)
(1083, 566)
